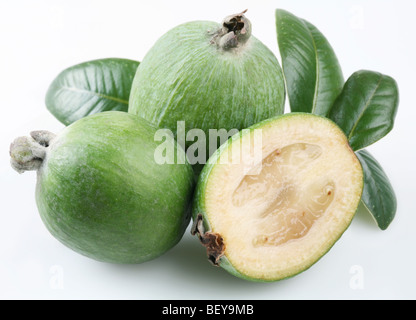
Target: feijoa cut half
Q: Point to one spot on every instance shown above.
(276, 197)
(101, 190)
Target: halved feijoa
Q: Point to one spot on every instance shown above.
(275, 198)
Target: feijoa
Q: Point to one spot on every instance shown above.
(101, 191)
(275, 198)
(211, 76)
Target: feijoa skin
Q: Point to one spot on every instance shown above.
(100, 190)
(276, 197)
(209, 75)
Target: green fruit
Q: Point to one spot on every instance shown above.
(101, 191)
(210, 76)
(272, 210)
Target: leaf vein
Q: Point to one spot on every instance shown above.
(365, 108)
(104, 96)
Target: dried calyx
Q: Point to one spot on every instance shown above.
(27, 153)
(235, 31)
(212, 241)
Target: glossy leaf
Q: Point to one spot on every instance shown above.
(312, 72)
(366, 108)
(91, 87)
(378, 194)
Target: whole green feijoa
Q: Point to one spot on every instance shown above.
(103, 190)
(209, 75)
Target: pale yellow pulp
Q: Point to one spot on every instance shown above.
(280, 218)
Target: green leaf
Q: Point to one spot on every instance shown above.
(366, 108)
(313, 75)
(91, 87)
(378, 194)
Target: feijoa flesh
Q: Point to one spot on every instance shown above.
(100, 190)
(275, 198)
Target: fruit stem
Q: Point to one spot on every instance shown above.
(213, 242)
(235, 31)
(27, 153)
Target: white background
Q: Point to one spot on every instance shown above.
(38, 39)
